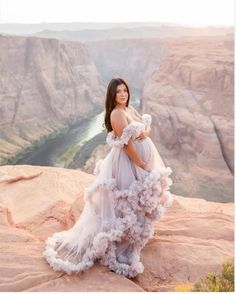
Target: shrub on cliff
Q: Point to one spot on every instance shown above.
(223, 282)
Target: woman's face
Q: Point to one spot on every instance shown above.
(121, 95)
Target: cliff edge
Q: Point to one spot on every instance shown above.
(194, 237)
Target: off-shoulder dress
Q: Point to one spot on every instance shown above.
(120, 207)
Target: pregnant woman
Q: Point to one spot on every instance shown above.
(130, 191)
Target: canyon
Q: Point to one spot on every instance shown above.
(185, 83)
(45, 86)
(49, 85)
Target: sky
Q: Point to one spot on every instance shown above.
(185, 12)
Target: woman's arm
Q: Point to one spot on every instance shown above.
(145, 133)
(119, 122)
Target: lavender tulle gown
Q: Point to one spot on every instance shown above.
(120, 207)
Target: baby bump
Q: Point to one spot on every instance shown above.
(149, 154)
(143, 149)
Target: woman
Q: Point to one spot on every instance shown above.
(130, 192)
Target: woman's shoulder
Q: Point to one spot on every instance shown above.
(117, 113)
(118, 119)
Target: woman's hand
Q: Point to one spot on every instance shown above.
(144, 134)
(142, 164)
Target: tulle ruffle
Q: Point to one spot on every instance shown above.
(131, 130)
(136, 209)
(146, 119)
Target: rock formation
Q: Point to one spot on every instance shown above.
(45, 85)
(98, 153)
(38, 201)
(191, 99)
(132, 59)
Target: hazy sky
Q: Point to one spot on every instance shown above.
(190, 12)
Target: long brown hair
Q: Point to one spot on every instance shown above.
(110, 103)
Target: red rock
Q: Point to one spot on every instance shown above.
(194, 236)
(54, 83)
(190, 96)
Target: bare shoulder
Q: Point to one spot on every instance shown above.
(118, 114)
(118, 120)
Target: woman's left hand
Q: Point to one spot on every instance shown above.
(144, 134)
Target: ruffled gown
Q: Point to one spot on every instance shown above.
(120, 207)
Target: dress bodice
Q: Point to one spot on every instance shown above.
(132, 130)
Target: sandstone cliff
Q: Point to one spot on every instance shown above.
(45, 85)
(190, 97)
(194, 237)
(133, 59)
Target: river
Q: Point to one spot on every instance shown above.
(61, 150)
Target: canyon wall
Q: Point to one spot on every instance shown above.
(190, 97)
(45, 85)
(132, 59)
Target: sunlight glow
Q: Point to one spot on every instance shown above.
(185, 12)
